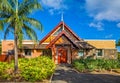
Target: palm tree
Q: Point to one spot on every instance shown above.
(15, 18)
(118, 43)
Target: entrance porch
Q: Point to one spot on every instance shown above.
(61, 53)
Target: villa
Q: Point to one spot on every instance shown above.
(64, 46)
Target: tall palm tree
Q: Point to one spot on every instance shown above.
(15, 18)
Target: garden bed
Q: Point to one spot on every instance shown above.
(30, 70)
(97, 66)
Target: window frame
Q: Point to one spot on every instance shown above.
(82, 51)
(28, 52)
(99, 52)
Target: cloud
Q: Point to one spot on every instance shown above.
(118, 25)
(98, 26)
(53, 5)
(109, 36)
(104, 9)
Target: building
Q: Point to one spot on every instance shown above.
(64, 46)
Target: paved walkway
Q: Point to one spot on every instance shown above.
(65, 74)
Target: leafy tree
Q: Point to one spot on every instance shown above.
(118, 43)
(15, 18)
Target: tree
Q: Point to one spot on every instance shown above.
(15, 18)
(118, 43)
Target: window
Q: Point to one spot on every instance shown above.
(99, 52)
(46, 52)
(81, 53)
(27, 52)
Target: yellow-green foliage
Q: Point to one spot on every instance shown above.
(35, 69)
(92, 64)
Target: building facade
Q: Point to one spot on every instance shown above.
(63, 45)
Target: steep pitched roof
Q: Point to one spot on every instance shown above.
(58, 36)
(65, 26)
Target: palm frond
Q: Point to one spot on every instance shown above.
(33, 22)
(6, 7)
(7, 20)
(4, 15)
(1, 25)
(31, 34)
(28, 7)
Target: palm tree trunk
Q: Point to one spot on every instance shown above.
(16, 54)
(15, 41)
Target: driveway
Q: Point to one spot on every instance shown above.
(65, 74)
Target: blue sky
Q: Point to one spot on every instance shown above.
(89, 19)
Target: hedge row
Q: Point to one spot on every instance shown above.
(91, 64)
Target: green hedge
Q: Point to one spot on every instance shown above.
(92, 64)
(35, 69)
(118, 55)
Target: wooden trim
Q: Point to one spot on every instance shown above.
(71, 32)
(56, 29)
(57, 37)
(50, 33)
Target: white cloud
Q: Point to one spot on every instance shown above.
(104, 9)
(109, 36)
(98, 26)
(118, 25)
(54, 5)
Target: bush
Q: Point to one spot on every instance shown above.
(118, 56)
(79, 66)
(91, 64)
(35, 69)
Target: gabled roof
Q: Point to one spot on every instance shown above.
(63, 33)
(65, 26)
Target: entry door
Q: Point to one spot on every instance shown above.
(62, 55)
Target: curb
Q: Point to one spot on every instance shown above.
(50, 81)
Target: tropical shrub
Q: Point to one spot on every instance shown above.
(35, 69)
(118, 55)
(99, 64)
(79, 66)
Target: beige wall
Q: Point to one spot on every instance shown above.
(110, 53)
(35, 53)
(75, 54)
(9, 45)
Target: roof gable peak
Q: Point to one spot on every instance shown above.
(64, 26)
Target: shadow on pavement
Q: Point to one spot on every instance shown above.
(65, 74)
